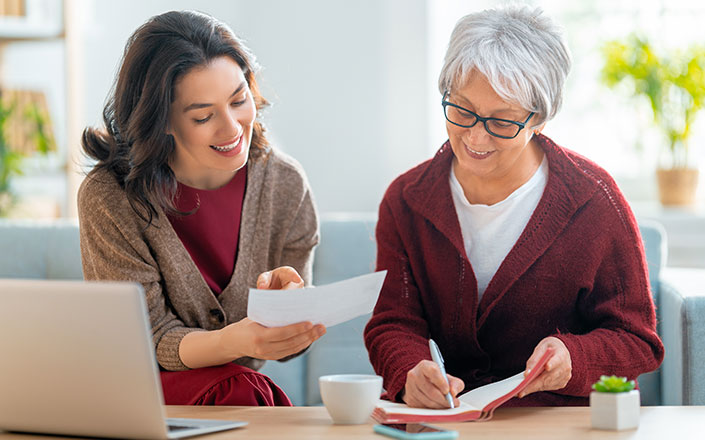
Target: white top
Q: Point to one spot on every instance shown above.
(490, 231)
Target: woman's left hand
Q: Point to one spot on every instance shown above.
(281, 278)
(557, 371)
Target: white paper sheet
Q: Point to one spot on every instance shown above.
(486, 394)
(329, 305)
(401, 408)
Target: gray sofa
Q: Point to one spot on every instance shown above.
(50, 250)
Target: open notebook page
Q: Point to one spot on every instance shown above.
(474, 400)
(484, 395)
(400, 408)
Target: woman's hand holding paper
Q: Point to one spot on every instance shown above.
(281, 278)
(273, 343)
(248, 338)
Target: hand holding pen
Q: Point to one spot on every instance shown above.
(438, 359)
(428, 386)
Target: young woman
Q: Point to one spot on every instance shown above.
(188, 198)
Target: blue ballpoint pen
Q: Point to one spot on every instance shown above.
(438, 359)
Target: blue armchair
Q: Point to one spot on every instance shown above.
(50, 250)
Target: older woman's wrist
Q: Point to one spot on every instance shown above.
(577, 385)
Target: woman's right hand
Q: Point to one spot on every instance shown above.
(426, 388)
(248, 338)
(281, 278)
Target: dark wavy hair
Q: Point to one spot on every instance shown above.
(134, 145)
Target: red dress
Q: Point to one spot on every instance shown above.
(210, 235)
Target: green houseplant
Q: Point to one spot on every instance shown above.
(614, 404)
(11, 160)
(673, 84)
(613, 384)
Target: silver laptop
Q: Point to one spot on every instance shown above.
(76, 358)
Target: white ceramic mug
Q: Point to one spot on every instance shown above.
(350, 398)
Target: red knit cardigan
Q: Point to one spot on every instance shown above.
(577, 272)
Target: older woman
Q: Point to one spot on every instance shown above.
(504, 244)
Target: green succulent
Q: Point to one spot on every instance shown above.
(613, 384)
(673, 83)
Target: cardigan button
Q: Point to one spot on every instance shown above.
(218, 315)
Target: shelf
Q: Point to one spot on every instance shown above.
(45, 192)
(43, 20)
(15, 39)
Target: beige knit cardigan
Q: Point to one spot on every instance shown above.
(279, 226)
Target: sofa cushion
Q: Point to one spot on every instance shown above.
(347, 249)
(683, 332)
(40, 249)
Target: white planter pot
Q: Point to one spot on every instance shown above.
(615, 411)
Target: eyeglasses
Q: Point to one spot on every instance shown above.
(497, 127)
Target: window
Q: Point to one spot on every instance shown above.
(610, 128)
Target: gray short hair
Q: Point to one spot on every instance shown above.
(520, 51)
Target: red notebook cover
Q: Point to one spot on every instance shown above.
(478, 404)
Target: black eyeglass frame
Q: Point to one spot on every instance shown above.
(479, 118)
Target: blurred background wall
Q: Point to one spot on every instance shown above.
(353, 89)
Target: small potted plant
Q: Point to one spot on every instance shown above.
(673, 84)
(614, 404)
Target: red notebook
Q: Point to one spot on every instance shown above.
(475, 405)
